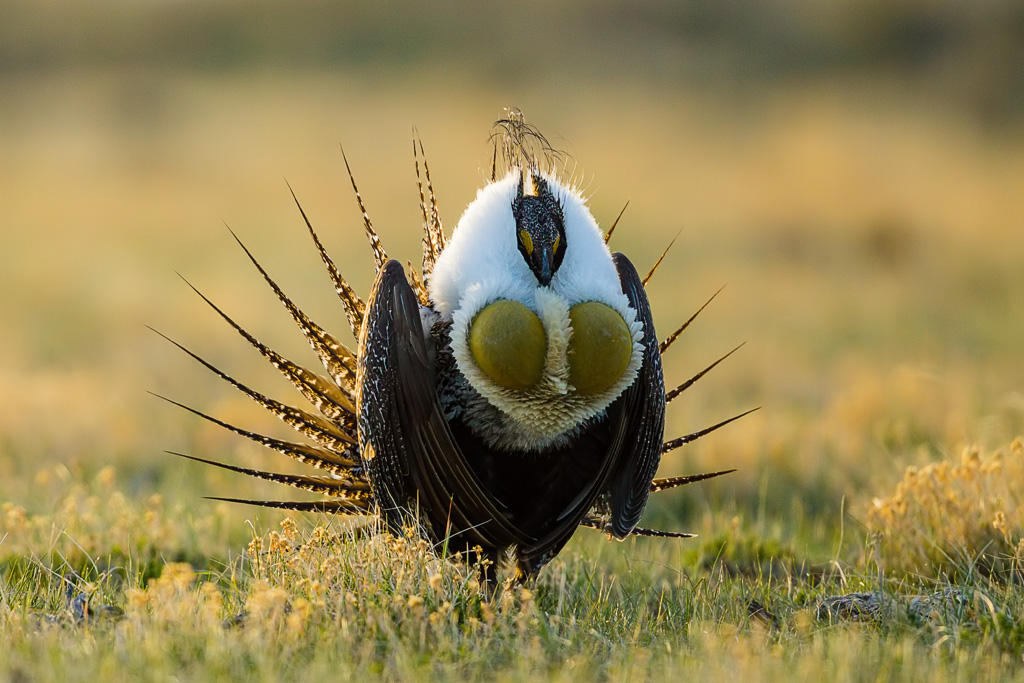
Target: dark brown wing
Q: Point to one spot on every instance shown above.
(643, 407)
(413, 461)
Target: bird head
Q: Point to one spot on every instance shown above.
(540, 226)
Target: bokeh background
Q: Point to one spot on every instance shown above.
(852, 172)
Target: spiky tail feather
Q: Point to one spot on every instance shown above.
(682, 328)
(355, 307)
(316, 428)
(339, 361)
(433, 231)
(332, 403)
(339, 464)
(690, 382)
(380, 257)
(594, 523)
(608, 235)
(355, 491)
(672, 482)
(661, 258)
(689, 438)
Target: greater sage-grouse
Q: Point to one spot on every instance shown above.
(508, 395)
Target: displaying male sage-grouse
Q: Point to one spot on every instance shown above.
(511, 394)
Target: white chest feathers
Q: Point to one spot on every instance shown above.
(547, 357)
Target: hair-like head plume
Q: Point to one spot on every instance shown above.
(518, 145)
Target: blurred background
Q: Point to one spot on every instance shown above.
(852, 172)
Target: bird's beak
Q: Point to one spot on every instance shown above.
(545, 258)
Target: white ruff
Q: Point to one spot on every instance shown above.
(482, 264)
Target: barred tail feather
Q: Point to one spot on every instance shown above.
(380, 257)
(594, 523)
(346, 507)
(690, 382)
(672, 482)
(436, 229)
(433, 233)
(417, 284)
(675, 335)
(328, 399)
(658, 533)
(355, 307)
(311, 426)
(347, 464)
(683, 440)
(335, 356)
(352, 489)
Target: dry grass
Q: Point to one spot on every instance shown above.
(868, 229)
(948, 517)
(313, 601)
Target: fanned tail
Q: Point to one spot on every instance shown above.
(333, 434)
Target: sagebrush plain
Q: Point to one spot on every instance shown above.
(865, 220)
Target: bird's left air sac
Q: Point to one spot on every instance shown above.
(508, 342)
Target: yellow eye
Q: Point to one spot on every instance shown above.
(508, 343)
(527, 241)
(554, 247)
(600, 348)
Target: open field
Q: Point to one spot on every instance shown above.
(867, 222)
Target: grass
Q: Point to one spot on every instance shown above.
(866, 223)
(948, 518)
(321, 597)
